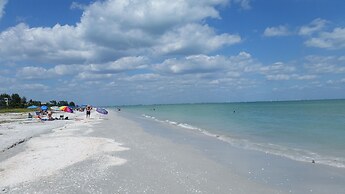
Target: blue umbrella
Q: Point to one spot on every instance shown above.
(32, 107)
(44, 107)
(102, 111)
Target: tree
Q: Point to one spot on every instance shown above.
(71, 104)
(33, 102)
(23, 102)
(62, 103)
(53, 102)
(2, 99)
(15, 100)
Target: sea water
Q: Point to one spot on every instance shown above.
(299, 130)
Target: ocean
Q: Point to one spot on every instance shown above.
(298, 130)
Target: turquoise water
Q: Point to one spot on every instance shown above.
(299, 130)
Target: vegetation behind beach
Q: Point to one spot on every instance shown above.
(17, 103)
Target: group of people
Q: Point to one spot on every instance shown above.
(49, 114)
(88, 109)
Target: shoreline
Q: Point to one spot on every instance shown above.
(274, 171)
(127, 154)
(296, 154)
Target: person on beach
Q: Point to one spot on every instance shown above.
(50, 113)
(88, 111)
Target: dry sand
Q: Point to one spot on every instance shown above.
(44, 155)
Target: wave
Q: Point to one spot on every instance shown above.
(268, 148)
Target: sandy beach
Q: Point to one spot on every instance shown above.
(121, 153)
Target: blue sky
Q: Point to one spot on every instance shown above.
(114, 52)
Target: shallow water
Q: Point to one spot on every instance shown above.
(299, 130)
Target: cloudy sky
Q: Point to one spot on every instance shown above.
(113, 52)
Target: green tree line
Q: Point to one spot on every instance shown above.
(16, 101)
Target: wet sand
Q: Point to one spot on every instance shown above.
(119, 153)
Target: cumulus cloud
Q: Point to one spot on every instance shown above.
(112, 29)
(315, 26)
(245, 4)
(123, 64)
(193, 39)
(93, 71)
(280, 71)
(32, 73)
(328, 40)
(2, 7)
(319, 37)
(76, 5)
(276, 31)
(59, 43)
(325, 64)
(195, 64)
(34, 87)
(282, 77)
(277, 68)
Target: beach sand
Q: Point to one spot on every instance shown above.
(118, 153)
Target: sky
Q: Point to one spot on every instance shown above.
(117, 52)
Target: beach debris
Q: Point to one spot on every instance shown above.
(313, 161)
(16, 143)
(4, 190)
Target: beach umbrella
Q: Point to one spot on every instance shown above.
(54, 108)
(66, 109)
(44, 107)
(102, 111)
(33, 107)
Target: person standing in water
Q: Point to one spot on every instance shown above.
(88, 111)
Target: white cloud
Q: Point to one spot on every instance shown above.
(142, 77)
(194, 39)
(315, 26)
(76, 5)
(245, 4)
(277, 31)
(59, 43)
(325, 64)
(276, 68)
(205, 64)
(32, 73)
(66, 69)
(91, 71)
(41, 73)
(2, 7)
(328, 40)
(320, 38)
(92, 76)
(33, 87)
(121, 65)
(113, 29)
(278, 77)
(306, 77)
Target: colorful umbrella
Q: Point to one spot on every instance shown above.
(102, 111)
(54, 108)
(66, 109)
(44, 107)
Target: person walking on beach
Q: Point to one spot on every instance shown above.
(88, 111)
